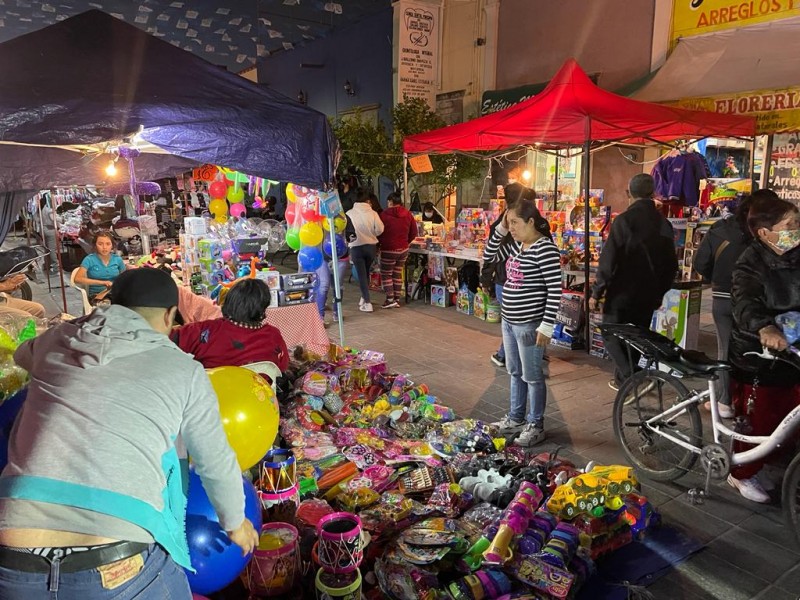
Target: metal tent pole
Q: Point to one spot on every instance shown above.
(587, 290)
(555, 189)
(58, 256)
(44, 241)
(337, 289)
(406, 193)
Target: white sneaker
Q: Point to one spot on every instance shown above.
(725, 411)
(360, 302)
(366, 307)
(530, 436)
(509, 426)
(750, 489)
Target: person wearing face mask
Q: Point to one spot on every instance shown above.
(431, 215)
(765, 285)
(531, 298)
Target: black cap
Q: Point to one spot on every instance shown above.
(144, 287)
(642, 186)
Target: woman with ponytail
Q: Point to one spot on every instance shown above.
(531, 298)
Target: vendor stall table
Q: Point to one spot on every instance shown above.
(457, 254)
(300, 324)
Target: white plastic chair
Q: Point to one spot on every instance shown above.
(87, 307)
(268, 368)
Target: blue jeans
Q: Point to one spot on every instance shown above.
(362, 258)
(524, 364)
(159, 579)
(323, 285)
(498, 293)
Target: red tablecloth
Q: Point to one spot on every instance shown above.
(300, 324)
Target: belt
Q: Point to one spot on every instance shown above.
(77, 561)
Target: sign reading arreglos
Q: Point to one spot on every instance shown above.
(695, 17)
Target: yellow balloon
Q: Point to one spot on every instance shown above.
(218, 207)
(221, 219)
(311, 234)
(249, 412)
(339, 223)
(290, 195)
(235, 194)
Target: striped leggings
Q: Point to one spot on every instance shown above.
(392, 264)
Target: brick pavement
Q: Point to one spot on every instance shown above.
(747, 554)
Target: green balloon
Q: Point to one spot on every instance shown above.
(293, 238)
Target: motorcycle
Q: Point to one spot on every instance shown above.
(23, 259)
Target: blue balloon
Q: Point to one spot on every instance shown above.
(341, 246)
(217, 560)
(309, 259)
(9, 409)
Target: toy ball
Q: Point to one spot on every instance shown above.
(218, 207)
(216, 560)
(311, 234)
(339, 223)
(249, 412)
(235, 194)
(298, 191)
(341, 246)
(309, 259)
(291, 214)
(218, 189)
(309, 209)
(293, 238)
(238, 209)
(290, 195)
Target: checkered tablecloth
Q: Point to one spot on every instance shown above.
(300, 324)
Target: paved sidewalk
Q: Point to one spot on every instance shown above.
(748, 552)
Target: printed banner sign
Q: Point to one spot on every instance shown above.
(418, 48)
(695, 17)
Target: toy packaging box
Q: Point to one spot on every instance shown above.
(439, 296)
(480, 305)
(451, 279)
(465, 301)
(679, 317)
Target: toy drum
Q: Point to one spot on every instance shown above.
(274, 567)
(341, 546)
(281, 506)
(278, 471)
(338, 587)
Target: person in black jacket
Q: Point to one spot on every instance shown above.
(721, 247)
(637, 267)
(765, 285)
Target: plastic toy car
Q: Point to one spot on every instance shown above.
(621, 480)
(640, 514)
(580, 494)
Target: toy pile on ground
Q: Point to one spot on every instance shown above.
(380, 491)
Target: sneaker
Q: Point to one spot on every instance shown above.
(365, 307)
(360, 302)
(750, 489)
(390, 304)
(326, 319)
(530, 436)
(509, 426)
(498, 360)
(613, 385)
(725, 410)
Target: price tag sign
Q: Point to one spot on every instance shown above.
(329, 204)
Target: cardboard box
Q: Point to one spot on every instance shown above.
(298, 281)
(465, 301)
(271, 278)
(439, 296)
(480, 305)
(451, 279)
(293, 297)
(194, 225)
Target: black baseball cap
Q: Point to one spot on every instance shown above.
(144, 287)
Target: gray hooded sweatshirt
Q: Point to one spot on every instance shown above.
(93, 448)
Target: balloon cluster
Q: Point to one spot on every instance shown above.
(227, 187)
(307, 227)
(13, 331)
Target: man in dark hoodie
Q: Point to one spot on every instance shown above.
(637, 267)
(399, 230)
(715, 259)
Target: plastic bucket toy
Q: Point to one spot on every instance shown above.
(341, 546)
(278, 471)
(274, 566)
(338, 587)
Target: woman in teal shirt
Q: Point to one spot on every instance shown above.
(99, 269)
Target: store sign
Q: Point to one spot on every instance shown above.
(497, 100)
(774, 110)
(418, 48)
(695, 17)
(784, 169)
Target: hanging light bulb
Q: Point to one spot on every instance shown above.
(111, 169)
(526, 175)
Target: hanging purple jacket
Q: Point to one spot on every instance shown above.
(679, 177)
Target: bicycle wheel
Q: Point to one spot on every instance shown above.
(642, 397)
(790, 497)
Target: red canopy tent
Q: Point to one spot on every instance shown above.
(573, 111)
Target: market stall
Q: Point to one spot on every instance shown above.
(573, 111)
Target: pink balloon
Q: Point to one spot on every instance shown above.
(238, 209)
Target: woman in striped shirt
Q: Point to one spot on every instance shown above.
(531, 297)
